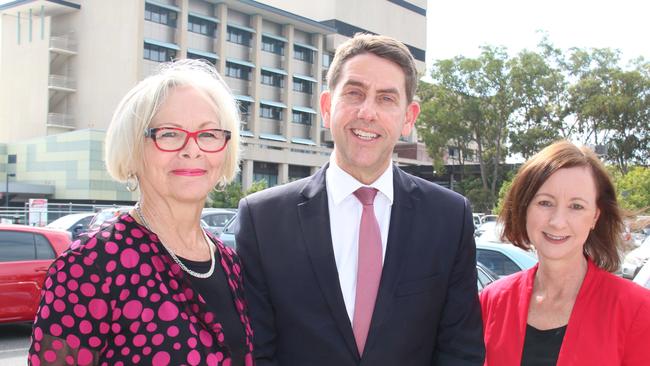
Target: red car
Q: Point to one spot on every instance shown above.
(26, 253)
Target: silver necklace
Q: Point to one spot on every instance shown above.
(173, 255)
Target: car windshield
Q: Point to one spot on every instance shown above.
(66, 221)
(231, 225)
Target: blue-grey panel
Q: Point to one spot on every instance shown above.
(350, 30)
(409, 6)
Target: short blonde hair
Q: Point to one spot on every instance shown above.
(125, 136)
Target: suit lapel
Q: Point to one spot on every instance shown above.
(313, 214)
(398, 245)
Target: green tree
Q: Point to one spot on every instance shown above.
(540, 90)
(469, 106)
(633, 188)
(257, 186)
(612, 106)
(229, 196)
(505, 187)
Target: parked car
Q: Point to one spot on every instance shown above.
(26, 253)
(485, 276)
(227, 235)
(643, 277)
(489, 231)
(75, 223)
(105, 214)
(504, 259)
(216, 218)
(635, 259)
(488, 218)
(477, 219)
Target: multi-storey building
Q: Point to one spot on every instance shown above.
(64, 65)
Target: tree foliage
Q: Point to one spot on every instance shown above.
(634, 188)
(470, 106)
(229, 196)
(495, 105)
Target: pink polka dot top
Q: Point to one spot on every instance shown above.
(116, 297)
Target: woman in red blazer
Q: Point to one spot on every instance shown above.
(569, 309)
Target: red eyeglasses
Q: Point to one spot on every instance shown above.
(172, 139)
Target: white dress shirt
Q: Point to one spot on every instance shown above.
(345, 218)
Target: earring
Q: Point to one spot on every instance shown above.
(131, 182)
(220, 186)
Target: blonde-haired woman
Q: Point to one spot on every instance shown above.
(152, 287)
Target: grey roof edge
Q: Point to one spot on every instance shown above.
(325, 28)
(15, 3)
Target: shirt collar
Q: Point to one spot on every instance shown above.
(340, 184)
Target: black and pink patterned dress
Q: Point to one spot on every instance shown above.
(116, 297)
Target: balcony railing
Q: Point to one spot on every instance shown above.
(66, 43)
(60, 81)
(60, 119)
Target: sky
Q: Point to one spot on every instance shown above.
(459, 27)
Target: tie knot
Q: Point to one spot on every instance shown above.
(366, 195)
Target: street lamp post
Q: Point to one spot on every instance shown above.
(7, 188)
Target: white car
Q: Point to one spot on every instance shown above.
(489, 231)
(216, 218)
(643, 277)
(75, 223)
(635, 259)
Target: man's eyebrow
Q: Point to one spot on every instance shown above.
(355, 83)
(360, 84)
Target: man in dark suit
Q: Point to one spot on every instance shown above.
(362, 263)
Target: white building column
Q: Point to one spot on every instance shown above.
(246, 174)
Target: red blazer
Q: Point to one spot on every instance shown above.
(609, 324)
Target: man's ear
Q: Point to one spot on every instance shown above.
(412, 113)
(325, 107)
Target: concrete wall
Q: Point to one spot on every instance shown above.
(109, 57)
(24, 69)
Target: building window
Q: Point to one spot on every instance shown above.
(327, 59)
(272, 45)
(301, 117)
(454, 152)
(273, 79)
(302, 86)
(201, 26)
(267, 111)
(239, 36)
(244, 109)
(303, 54)
(267, 172)
(158, 53)
(157, 14)
(298, 172)
(238, 71)
(11, 159)
(194, 56)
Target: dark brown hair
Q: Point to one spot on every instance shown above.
(603, 241)
(381, 46)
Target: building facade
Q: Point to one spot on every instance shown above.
(64, 66)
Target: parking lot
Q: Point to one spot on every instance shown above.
(14, 344)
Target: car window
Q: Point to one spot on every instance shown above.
(85, 221)
(231, 226)
(217, 219)
(496, 262)
(43, 247)
(483, 279)
(16, 246)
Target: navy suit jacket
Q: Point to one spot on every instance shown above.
(427, 310)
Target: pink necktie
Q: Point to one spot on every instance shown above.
(369, 266)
